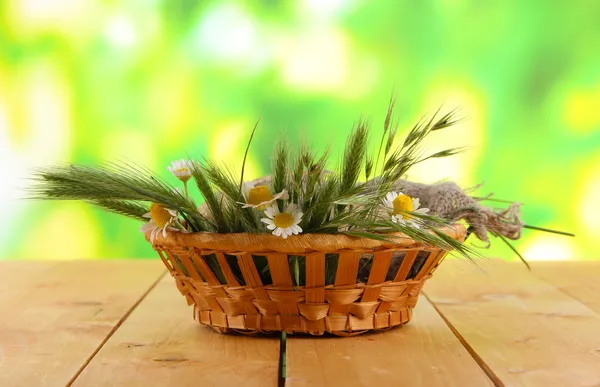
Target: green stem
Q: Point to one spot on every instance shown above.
(548, 230)
(282, 359)
(185, 188)
(179, 226)
(246, 155)
(515, 251)
(296, 269)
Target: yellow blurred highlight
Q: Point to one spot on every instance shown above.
(315, 61)
(40, 137)
(169, 101)
(44, 102)
(582, 110)
(74, 19)
(127, 144)
(468, 133)
(228, 145)
(69, 231)
(587, 205)
(548, 247)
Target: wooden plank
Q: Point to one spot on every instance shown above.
(422, 353)
(161, 344)
(525, 330)
(578, 279)
(18, 274)
(55, 315)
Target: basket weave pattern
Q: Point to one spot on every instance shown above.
(346, 306)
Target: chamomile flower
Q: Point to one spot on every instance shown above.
(399, 204)
(283, 223)
(181, 169)
(160, 220)
(260, 197)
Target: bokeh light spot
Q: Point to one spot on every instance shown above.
(73, 19)
(587, 205)
(315, 61)
(325, 9)
(546, 247)
(227, 34)
(121, 32)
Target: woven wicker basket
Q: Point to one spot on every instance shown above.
(217, 273)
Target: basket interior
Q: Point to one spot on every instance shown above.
(186, 261)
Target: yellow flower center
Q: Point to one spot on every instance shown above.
(159, 215)
(259, 194)
(183, 174)
(402, 203)
(283, 220)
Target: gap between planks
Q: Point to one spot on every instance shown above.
(524, 329)
(114, 329)
(423, 352)
(485, 368)
(161, 342)
(54, 314)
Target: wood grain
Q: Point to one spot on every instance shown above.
(421, 353)
(161, 345)
(16, 274)
(528, 332)
(578, 279)
(54, 315)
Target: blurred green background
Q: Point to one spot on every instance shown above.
(151, 81)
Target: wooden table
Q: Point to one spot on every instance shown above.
(123, 323)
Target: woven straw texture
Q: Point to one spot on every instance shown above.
(349, 285)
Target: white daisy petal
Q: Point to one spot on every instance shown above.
(147, 215)
(182, 169)
(398, 219)
(246, 187)
(284, 229)
(416, 203)
(283, 195)
(271, 227)
(269, 212)
(273, 210)
(147, 226)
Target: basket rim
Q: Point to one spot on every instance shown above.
(303, 243)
